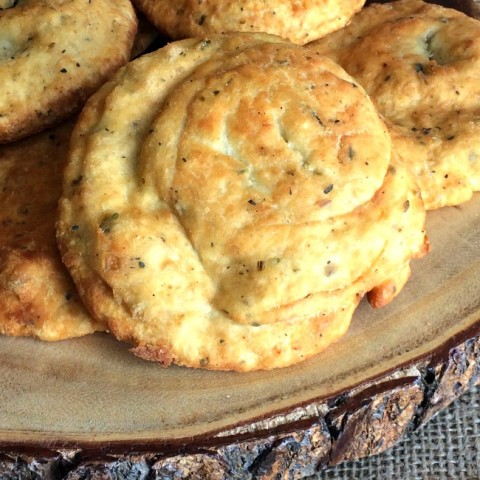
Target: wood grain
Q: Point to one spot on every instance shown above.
(362, 422)
(86, 408)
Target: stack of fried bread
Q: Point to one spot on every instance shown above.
(228, 199)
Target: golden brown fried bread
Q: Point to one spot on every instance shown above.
(54, 54)
(298, 21)
(229, 201)
(37, 296)
(421, 65)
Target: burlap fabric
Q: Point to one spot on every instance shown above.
(446, 448)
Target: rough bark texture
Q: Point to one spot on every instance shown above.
(363, 422)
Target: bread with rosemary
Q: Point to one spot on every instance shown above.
(37, 296)
(297, 21)
(420, 63)
(54, 54)
(229, 201)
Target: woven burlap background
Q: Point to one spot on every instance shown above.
(446, 448)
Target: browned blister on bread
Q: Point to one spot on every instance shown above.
(54, 54)
(420, 63)
(37, 295)
(229, 201)
(297, 21)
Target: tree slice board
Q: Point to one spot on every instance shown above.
(88, 399)
(87, 408)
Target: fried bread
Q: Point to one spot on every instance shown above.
(229, 201)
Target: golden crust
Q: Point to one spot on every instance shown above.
(421, 65)
(54, 54)
(297, 21)
(37, 296)
(228, 202)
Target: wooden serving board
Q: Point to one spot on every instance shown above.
(89, 398)
(87, 407)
